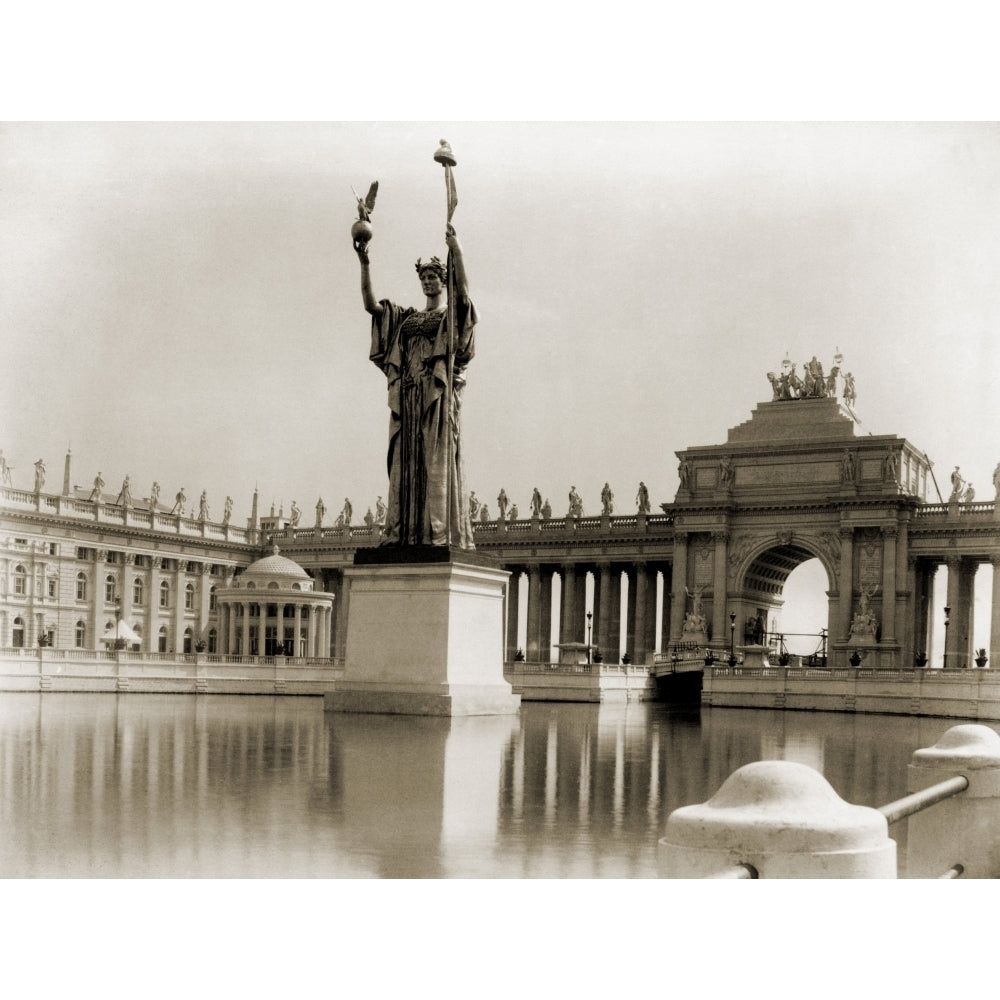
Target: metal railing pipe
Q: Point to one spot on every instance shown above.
(910, 804)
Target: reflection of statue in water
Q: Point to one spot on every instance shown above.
(423, 354)
(642, 499)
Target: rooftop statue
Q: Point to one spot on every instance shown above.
(423, 354)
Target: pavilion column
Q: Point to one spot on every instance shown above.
(994, 650)
(513, 607)
(149, 639)
(245, 649)
(952, 637)
(678, 596)
(532, 653)
(889, 534)
(296, 645)
(846, 582)
(231, 629)
(638, 601)
(95, 598)
(580, 600)
(568, 624)
(602, 605)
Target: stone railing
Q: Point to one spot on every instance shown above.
(780, 819)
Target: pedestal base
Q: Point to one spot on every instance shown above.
(424, 639)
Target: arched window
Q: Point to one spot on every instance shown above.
(187, 640)
(251, 585)
(17, 635)
(81, 586)
(212, 603)
(109, 590)
(138, 591)
(81, 635)
(272, 585)
(164, 596)
(162, 639)
(213, 641)
(296, 586)
(189, 597)
(20, 581)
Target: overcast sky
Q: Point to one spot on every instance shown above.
(181, 303)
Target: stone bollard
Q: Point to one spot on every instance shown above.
(783, 819)
(964, 829)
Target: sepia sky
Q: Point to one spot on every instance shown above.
(180, 302)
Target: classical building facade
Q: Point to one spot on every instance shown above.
(794, 482)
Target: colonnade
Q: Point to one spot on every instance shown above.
(298, 626)
(616, 626)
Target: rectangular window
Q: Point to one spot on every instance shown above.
(52, 587)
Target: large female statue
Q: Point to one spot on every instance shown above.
(427, 500)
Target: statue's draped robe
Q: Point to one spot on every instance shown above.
(425, 456)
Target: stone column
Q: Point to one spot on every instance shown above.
(889, 583)
(611, 649)
(150, 641)
(95, 598)
(994, 650)
(720, 617)
(178, 616)
(545, 617)
(967, 610)
(665, 613)
(245, 650)
(513, 606)
(846, 582)
(639, 599)
(650, 637)
(341, 601)
(678, 596)
(231, 627)
(532, 653)
(953, 639)
(905, 594)
(602, 605)
(297, 628)
(568, 625)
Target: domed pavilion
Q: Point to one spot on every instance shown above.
(272, 609)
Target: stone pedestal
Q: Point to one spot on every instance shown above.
(425, 634)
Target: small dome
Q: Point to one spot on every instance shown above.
(275, 568)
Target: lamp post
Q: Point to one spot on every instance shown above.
(590, 620)
(732, 638)
(947, 618)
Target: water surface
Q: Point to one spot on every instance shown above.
(129, 785)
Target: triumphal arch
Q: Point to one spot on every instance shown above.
(797, 481)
